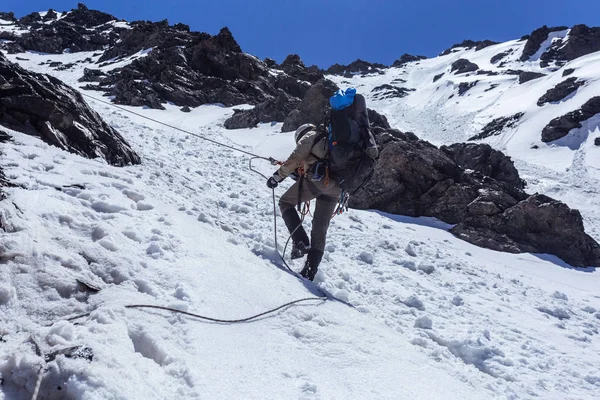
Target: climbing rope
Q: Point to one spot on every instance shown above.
(270, 159)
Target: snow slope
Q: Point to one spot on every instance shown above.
(419, 314)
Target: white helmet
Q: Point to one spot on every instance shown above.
(303, 130)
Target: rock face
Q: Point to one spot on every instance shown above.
(406, 58)
(485, 159)
(80, 30)
(582, 40)
(312, 107)
(560, 126)
(43, 106)
(535, 40)
(412, 177)
(497, 126)
(293, 66)
(560, 91)
(274, 110)
(357, 67)
(462, 66)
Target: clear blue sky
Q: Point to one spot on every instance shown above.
(323, 32)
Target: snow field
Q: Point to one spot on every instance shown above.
(191, 228)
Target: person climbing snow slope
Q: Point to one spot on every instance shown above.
(325, 161)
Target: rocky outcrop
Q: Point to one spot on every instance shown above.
(526, 76)
(560, 91)
(357, 67)
(412, 177)
(597, 141)
(568, 72)
(294, 67)
(538, 224)
(582, 40)
(407, 58)
(559, 127)
(43, 106)
(485, 159)
(535, 40)
(469, 44)
(274, 110)
(8, 16)
(497, 126)
(462, 66)
(500, 56)
(386, 91)
(437, 77)
(312, 107)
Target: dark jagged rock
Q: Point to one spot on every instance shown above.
(469, 44)
(462, 66)
(485, 159)
(559, 127)
(582, 40)
(597, 141)
(526, 76)
(464, 87)
(8, 16)
(50, 15)
(273, 110)
(437, 77)
(535, 40)
(497, 126)
(412, 177)
(43, 106)
(82, 16)
(355, 67)
(270, 63)
(294, 67)
(312, 107)
(406, 58)
(386, 91)
(568, 72)
(31, 19)
(560, 91)
(185, 109)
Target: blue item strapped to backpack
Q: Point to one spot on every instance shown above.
(342, 99)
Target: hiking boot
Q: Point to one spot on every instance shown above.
(312, 264)
(299, 250)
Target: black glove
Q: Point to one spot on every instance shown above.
(272, 183)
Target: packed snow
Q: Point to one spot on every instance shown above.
(413, 312)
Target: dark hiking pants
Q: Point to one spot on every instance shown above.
(327, 198)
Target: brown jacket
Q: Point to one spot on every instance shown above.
(307, 152)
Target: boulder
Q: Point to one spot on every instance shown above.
(485, 159)
(437, 77)
(312, 107)
(41, 105)
(462, 66)
(412, 177)
(597, 141)
(568, 72)
(92, 75)
(406, 58)
(497, 126)
(560, 91)
(272, 110)
(559, 127)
